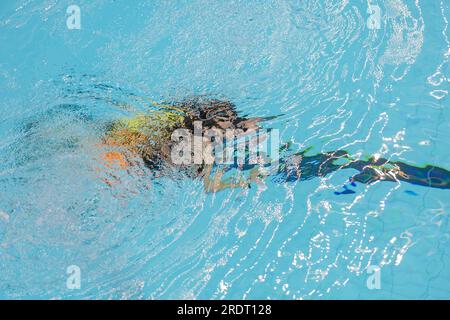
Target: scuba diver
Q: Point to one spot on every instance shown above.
(149, 137)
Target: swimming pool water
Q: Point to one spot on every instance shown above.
(336, 76)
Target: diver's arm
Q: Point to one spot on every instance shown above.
(216, 183)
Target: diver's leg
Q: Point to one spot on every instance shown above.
(382, 169)
(429, 176)
(370, 171)
(298, 166)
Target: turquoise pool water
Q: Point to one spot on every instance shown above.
(337, 77)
